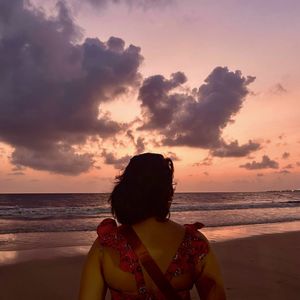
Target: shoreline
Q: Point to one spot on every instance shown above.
(18, 247)
(257, 267)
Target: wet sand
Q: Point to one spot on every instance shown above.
(259, 267)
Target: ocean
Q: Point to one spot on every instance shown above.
(31, 221)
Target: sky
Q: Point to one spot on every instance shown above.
(85, 85)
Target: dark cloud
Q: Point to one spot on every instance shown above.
(111, 159)
(265, 163)
(298, 163)
(61, 158)
(159, 107)
(234, 150)
(51, 86)
(285, 155)
(195, 119)
(289, 166)
(130, 135)
(139, 144)
(259, 174)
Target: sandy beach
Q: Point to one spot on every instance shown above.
(260, 267)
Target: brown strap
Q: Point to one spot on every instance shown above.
(148, 263)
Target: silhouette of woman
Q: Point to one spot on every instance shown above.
(141, 200)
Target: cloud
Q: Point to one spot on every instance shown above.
(144, 4)
(196, 118)
(18, 168)
(130, 135)
(234, 150)
(139, 144)
(52, 85)
(16, 173)
(111, 159)
(278, 89)
(265, 163)
(160, 108)
(172, 155)
(207, 161)
(60, 158)
(289, 166)
(298, 163)
(259, 174)
(285, 155)
(284, 172)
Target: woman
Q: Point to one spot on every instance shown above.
(141, 200)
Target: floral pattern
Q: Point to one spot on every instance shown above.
(192, 248)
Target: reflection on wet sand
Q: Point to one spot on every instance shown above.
(220, 234)
(8, 256)
(12, 257)
(33, 246)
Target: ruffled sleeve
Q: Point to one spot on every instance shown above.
(109, 235)
(193, 248)
(199, 243)
(194, 226)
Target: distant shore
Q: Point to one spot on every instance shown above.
(258, 267)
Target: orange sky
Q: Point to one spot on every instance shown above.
(194, 37)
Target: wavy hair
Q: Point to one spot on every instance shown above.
(145, 189)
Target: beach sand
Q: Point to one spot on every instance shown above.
(259, 267)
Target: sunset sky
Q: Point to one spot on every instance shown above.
(85, 85)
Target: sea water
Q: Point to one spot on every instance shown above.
(35, 221)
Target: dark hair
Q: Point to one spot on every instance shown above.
(145, 189)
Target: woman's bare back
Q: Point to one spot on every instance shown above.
(162, 240)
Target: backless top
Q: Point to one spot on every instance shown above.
(192, 249)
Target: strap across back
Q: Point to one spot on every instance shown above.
(149, 264)
(192, 249)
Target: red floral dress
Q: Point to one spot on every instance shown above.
(192, 248)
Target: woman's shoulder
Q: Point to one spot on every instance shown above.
(194, 229)
(193, 236)
(107, 232)
(195, 241)
(106, 226)
(110, 236)
(194, 226)
(192, 250)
